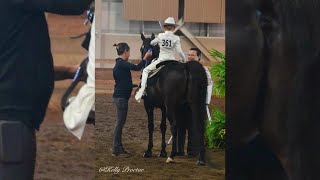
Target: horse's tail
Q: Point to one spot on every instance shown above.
(79, 76)
(197, 81)
(196, 97)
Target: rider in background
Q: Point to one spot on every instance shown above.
(168, 43)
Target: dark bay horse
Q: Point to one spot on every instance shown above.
(150, 103)
(273, 81)
(174, 86)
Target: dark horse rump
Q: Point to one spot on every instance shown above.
(193, 73)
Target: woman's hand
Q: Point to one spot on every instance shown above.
(147, 55)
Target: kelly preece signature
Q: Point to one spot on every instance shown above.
(117, 169)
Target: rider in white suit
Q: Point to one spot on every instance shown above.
(169, 43)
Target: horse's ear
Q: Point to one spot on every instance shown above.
(153, 36)
(142, 37)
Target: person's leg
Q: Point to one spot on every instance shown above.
(122, 109)
(144, 79)
(209, 93)
(17, 150)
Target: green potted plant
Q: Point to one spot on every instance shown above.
(215, 129)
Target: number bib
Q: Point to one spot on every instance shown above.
(166, 43)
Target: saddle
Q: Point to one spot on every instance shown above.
(160, 66)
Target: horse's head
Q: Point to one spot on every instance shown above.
(146, 46)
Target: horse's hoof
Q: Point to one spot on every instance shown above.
(201, 163)
(147, 154)
(170, 160)
(163, 154)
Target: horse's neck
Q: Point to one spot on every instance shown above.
(155, 57)
(64, 72)
(157, 52)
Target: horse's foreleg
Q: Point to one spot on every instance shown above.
(148, 153)
(163, 128)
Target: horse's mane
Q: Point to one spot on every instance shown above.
(156, 49)
(301, 27)
(299, 19)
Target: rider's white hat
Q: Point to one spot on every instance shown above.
(168, 21)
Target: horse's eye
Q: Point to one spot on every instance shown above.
(258, 14)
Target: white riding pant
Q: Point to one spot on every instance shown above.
(146, 72)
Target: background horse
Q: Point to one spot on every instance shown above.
(78, 74)
(272, 85)
(174, 86)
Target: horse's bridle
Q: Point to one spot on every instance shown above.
(143, 51)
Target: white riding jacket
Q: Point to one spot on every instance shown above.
(169, 43)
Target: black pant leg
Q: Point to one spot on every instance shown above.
(16, 163)
(122, 110)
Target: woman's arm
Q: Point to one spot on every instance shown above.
(138, 67)
(63, 7)
(134, 67)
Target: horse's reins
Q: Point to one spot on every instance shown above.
(147, 60)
